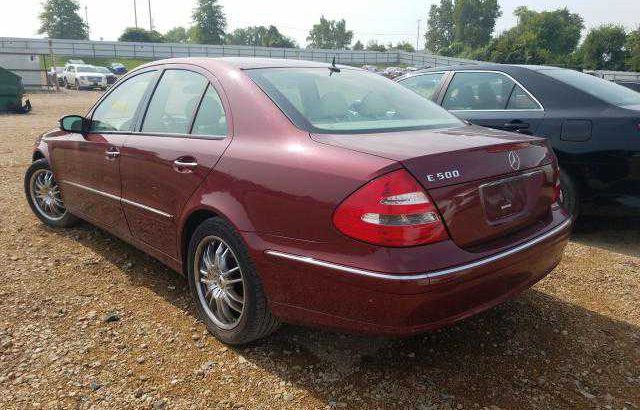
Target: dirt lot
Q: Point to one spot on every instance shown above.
(571, 342)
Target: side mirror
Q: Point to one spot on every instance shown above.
(74, 123)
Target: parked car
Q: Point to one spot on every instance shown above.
(592, 124)
(74, 61)
(111, 77)
(304, 192)
(393, 72)
(59, 75)
(83, 76)
(117, 68)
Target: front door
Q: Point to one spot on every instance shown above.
(494, 100)
(180, 138)
(88, 166)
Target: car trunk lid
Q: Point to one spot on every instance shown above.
(486, 183)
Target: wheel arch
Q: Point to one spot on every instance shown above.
(191, 223)
(37, 155)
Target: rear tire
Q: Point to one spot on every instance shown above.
(570, 198)
(44, 196)
(235, 313)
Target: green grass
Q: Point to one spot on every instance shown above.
(130, 63)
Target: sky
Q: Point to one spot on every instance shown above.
(380, 20)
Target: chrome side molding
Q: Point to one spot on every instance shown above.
(117, 198)
(426, 275)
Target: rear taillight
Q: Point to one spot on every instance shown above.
(392, 210)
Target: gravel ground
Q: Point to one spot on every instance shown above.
(87, 321)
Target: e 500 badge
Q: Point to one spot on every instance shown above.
(441, 176)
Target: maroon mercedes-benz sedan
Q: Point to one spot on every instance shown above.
(302, 192)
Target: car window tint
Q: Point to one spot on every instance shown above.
(116, 112)
(520, 100)
(210, 119)
(605, 90)
(174, 102)
(425, 84)
(478, 91)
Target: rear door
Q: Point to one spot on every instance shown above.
(180, 138)
(493, 99)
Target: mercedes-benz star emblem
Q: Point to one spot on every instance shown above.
(514, 160)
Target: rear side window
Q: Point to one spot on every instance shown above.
(478, 91)
(117, 111)
(424, 84)
(520, 100)
(605, 90)
(210, 119)
(174, 102)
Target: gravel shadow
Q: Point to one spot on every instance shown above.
(615, 234)
(536, 351)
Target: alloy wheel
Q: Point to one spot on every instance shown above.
(46, 196)
(219, 282)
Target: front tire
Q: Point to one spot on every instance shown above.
(225, 285)
(44, 196)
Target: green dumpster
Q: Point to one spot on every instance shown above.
(12, 96)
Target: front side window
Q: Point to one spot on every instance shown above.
(350, 101)
(478, 91)
(605, 90)
(425, 84)
(174, 102)
(210, 119)
(117, 111)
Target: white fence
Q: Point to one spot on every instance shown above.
(26, 66)
(114, 49)
(621, 76)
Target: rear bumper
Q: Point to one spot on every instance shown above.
(337, 296)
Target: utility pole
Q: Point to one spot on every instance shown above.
(150, 19)
(418, 36)
(86, 19)
(135, 13)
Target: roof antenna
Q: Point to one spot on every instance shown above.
(333, 68)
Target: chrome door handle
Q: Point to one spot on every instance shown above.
(185, 164)
(112, 153)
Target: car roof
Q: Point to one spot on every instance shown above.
(507, 68)
(248, 63)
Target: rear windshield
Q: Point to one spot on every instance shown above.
(349, 101)
(605, 90)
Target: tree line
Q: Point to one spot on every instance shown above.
(457, 28)
(61, 19)
(464, 28)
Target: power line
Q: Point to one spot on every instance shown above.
(306, 30)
